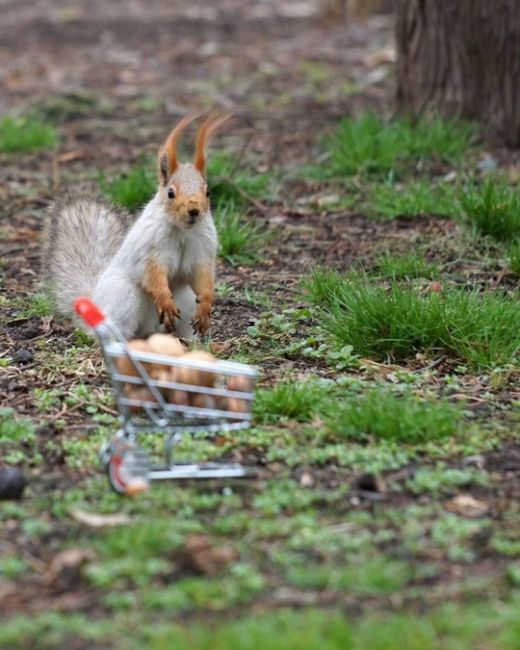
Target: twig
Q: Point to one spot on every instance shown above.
(431, 365)
(241, 153)
(254, 202)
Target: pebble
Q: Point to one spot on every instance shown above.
(487, 165)
(12, 483)
(22, 356)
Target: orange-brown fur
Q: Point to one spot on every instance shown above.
(204, 287)
(168, 161)
(155, 283)
(214, 122)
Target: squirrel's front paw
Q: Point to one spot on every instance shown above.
(167, 314)
(202, 320)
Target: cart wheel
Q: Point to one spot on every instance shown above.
(127, 469)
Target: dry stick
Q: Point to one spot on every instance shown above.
(254, 202)
(431, 365)
(241, 153)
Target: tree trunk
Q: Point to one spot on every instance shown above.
(461, 58)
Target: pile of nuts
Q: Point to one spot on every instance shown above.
(167, 345)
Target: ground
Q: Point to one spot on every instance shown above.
(382, 540)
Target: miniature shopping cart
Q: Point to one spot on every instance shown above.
(148, 409)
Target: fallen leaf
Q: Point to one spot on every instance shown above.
(467, 506)
(385, 56)
(307, 480)
(70, 156)
(68, 563)
(70, 558)
(200, 556)
(99, 520)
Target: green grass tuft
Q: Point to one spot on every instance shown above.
(24, 134)
(132, 190)
(240, 239)
(375, 576)
(416, 198)
(288, 399)
(492, 209)
(381, 414)
(37, 304)
(406, 266)
(482, 329)
(368, 145)
(234, 183)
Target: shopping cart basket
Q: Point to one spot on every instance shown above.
(150, 411)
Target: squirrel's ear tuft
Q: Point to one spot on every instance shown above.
(168, 160)
(213, 123)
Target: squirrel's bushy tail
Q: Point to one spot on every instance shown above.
(82, 235)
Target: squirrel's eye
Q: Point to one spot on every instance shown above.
(171, 193)
(207, 192)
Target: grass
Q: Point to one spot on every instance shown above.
(63, 107)
(492, 209)
(374, 576)
(232, 182)
(441, 479)
(241, 240)
(378, 413)
(25, 134)
(384, 415)
(37, 304)
(397, 323)
(367, 145)
(451, 627)
(408, 266)
(133, 189)
(420, 197)
(289, 399)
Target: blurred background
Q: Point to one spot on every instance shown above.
(110, 73)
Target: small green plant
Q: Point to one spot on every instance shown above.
(406, 266)
(25, 134)
(376, 576)
(131, 190)
(368, 145)
(240, 240)
(492, 209)
(439, 479)
(37, 304)
(289, 399)
(483, 329)
(63, 107)
(419, 197)
(14, 430)
(384, 415)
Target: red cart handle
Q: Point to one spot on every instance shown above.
(89, 312)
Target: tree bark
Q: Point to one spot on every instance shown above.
(461, 58)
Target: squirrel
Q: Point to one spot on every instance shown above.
(158, 271)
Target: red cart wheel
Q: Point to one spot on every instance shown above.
(127, 469)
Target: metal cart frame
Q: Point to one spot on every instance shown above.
(127, 464)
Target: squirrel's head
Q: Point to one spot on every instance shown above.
(183, 187)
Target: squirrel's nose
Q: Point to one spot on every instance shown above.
(194, 212)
